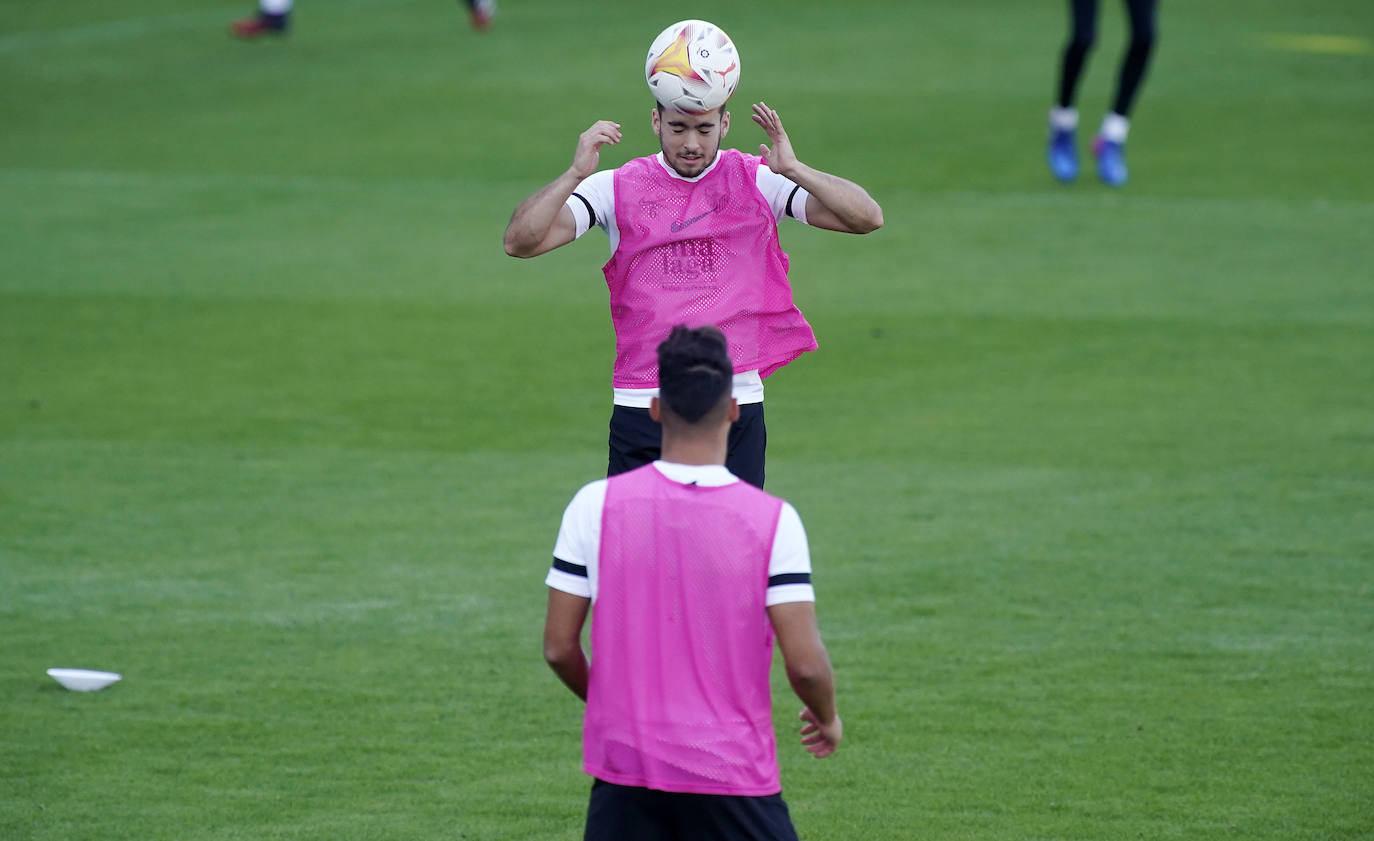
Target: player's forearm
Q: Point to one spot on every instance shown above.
(851, 204)
(534, 218)
(570, 664)
(814, 684)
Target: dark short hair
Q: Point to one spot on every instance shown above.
(694, 371)
(719, 110)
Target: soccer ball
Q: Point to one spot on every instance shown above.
(692, 66)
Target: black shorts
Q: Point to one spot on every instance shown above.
(636, 439)
(629, 813)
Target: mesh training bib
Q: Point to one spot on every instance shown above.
(679, 697)
(696, 253)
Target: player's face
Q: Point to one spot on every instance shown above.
(690, 141)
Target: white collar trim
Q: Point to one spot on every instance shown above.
(707, 475)
(663, 162)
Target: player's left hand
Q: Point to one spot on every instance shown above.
(780, 158)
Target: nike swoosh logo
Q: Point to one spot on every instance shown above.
(678, 226)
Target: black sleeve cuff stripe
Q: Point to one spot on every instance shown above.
(570, 569)
(789, 578)
(790, 196)
(591, 214)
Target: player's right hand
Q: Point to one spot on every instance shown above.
(820, 739)
(587, 158)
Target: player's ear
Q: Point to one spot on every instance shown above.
(734, 409)
(655, 412)
(653, 121)
(724, 122)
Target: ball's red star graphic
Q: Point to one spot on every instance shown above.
(675, 60)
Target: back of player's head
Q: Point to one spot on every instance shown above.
(694, 372)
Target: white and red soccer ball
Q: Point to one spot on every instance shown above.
(692, 66)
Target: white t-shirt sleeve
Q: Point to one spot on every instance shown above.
(574, 567)
(593, 202)
(779, 192)
(789, 567)
(578, 544)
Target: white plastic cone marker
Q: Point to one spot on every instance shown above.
(83, 680)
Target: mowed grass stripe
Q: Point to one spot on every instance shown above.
(142, 27)
(1051, 198)
(170, 367)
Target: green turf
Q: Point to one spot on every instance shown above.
(285, 437)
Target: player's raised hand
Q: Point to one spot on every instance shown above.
(820, 739)
(781, 157)
(587, 158)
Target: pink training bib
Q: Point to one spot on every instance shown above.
(695, 253)
(679, 696)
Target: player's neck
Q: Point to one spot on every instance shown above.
(695, 451)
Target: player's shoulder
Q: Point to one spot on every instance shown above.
(633, 164)
(643, 170)
(761, 494)
(739, 158)
(589, 498)
(597, 180)
(596, 487)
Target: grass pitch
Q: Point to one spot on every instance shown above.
(284, 436)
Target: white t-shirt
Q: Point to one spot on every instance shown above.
(593, 203)
(578, 547)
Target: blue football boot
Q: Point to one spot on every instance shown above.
(1111, 161)
(1063, 155)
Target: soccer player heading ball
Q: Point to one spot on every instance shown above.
(693, 234)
